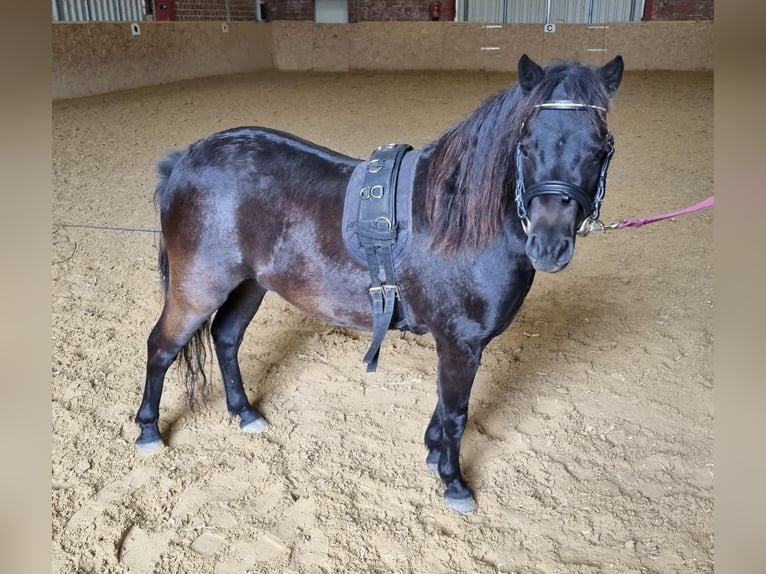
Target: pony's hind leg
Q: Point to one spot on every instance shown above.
(183, 316)
(171, 333)
(228, 328)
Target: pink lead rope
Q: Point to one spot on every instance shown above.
(639, 221)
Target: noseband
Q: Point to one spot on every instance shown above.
(564, 189)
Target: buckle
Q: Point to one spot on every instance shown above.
(375, 165)
(590, 225)
(385, 290)
(375, 192)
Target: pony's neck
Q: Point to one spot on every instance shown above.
(471, 174)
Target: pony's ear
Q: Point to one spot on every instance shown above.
(611, 74)
(530, 74)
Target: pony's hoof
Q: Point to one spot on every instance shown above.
(251, 420)
(149, 447)
(462, 505)
(255, 425)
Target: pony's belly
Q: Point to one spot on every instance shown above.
(336, 315)
(332, 303)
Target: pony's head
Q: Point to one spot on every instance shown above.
(561, 155)
(544, 137)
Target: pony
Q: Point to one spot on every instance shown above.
(500, 195)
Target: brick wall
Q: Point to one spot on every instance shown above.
(682, 10)
(358, 10)
(290, 9)
(200, 10)
(367, 10)
(377, 10)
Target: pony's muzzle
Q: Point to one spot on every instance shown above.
(551, 232)
(549, 252)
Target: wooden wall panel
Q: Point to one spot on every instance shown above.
(100, 57)
(94, 58)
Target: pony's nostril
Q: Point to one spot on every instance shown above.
(533, 247)
(565, 252)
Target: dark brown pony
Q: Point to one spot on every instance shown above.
(499, 195)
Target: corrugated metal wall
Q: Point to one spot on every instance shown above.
(561, 11)
(98, 10)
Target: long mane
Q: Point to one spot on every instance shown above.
(471, 176)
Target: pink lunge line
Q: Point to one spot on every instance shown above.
(639, 221)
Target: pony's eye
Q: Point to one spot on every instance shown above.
(524, 151)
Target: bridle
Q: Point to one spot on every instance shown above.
(591, 207)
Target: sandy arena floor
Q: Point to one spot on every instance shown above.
(590, 443)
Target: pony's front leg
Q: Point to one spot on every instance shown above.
(458, 363)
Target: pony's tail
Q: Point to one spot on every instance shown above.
(191, 367)
(192, 357)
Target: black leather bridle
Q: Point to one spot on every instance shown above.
(591, 207)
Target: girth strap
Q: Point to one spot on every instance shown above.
(376, 228)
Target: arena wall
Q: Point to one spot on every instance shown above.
(100, 57)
